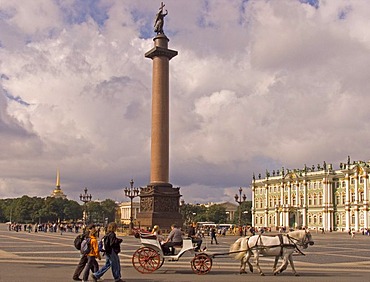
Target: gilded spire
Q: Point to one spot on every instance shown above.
(58, 179)
(58, 193)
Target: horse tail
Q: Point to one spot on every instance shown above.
(240, 247)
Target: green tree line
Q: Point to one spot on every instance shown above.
(40, 210)
(216, 213)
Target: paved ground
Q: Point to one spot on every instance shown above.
(52, 257)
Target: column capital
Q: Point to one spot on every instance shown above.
(161, 52)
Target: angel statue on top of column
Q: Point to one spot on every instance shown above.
(159, 20)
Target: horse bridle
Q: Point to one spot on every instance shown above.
(304, 242)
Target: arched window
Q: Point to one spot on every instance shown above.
(337, 199)
(320, 198)
(361, 196)
(361, 219)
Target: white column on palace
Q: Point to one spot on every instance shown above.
(366, 200)
(347, 204)
(357, 221)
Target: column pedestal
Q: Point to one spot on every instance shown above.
(159, 205)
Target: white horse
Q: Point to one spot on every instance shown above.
(281, 245)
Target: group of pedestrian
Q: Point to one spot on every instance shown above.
(88, 261)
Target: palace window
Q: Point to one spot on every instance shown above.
(343, 184)
(353, 196)
(337, 199)
(361, 196)
(320, 198)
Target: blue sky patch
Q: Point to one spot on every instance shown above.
(83, 9)
(313, 3)
(17, 98)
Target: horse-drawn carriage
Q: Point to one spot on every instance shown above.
(150, 257)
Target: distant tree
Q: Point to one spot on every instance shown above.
(109, 208)
(246, 215)
(217, 214)
(193, 213)
(7, 206)
(94, 212)
(24, 209)
(73, 210)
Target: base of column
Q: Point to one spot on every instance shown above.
(159, 205)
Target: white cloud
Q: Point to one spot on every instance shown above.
(257, 85)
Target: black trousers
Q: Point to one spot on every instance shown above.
(80, 267)
(197, 241)
(168, 247)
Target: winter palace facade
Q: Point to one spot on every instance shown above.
(317, 198)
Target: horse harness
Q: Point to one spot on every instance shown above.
(282, 245)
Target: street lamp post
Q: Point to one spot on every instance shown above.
(85, 198)
(240, 199)
(131, 193)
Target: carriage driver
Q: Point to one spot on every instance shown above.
(173, 239)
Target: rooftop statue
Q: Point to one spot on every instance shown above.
(159, 20)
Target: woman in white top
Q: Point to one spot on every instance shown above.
(157, 232)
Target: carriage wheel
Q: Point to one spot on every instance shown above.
(201, 264)
(146, 260)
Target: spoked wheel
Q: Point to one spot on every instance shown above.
(146, 260)
(201, 264)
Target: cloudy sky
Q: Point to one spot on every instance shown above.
(256, 85)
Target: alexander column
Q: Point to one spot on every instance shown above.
(159, 201)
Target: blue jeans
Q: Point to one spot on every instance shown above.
(111, 260)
